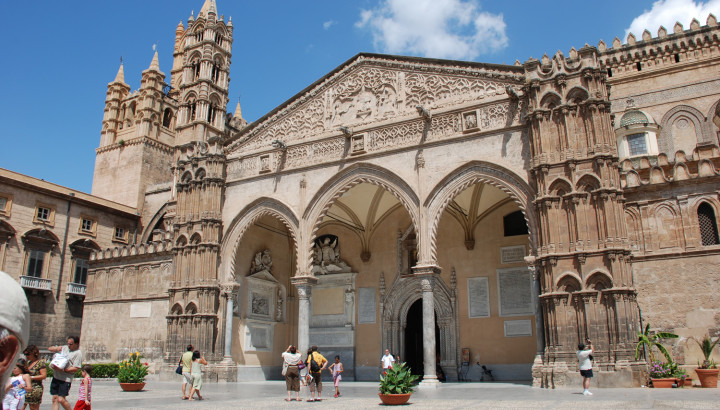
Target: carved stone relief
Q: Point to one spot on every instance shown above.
(326, 257)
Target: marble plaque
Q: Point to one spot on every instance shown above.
(260, 304)
(366, 305)
(478, 297)
(329, 301)
(258, 336)
(512, 254)
(140, 309)
(515, 328)
(515, 291)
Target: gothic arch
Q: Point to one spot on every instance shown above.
(401, 295)
(487, 173)
(336, 186)
(587, 183)
(598, 280)
(147, 232)
(568, 282)
(577, 94)
(550, 100)
(666, 142)
(242, 222)
(560, 184)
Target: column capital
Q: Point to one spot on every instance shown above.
(229, 290)
(304, 286)
(429, 269)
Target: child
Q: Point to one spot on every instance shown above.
(17, 387)
(83, 402)
(336, 369)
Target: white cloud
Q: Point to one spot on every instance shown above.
(328, 24)
(455, 29)
(666, 12)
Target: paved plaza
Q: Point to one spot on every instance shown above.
(356, 395)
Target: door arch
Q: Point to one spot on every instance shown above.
(398, 300)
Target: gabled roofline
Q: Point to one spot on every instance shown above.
(390, 57)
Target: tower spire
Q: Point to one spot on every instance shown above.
(155, 63)
(238, 111)
(120, 77)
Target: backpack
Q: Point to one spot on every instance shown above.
(314, 367)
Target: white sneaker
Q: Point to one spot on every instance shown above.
(587, 393)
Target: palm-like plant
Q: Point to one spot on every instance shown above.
(707, 346)
(397, 380)
(645, 339)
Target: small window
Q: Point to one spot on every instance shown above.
(708, 225)
(43, 214)
(639, 66)
(120, 234)
(88, 225)
(5, 204)
(36, 259)
(637, 144)
(514, 224)
(81, 269)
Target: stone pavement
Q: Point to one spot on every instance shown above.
(359, 395)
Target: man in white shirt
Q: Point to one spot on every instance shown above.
(584, 355)
(387, 361)
(62, 378)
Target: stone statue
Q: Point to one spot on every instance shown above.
(278, 315)
(327, 256)
(261, 262)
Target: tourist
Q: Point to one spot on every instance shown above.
(63, 376)
(316, 362)
(14, 324)
(197, 360)
(37, 368)
(17, 387)
(291, 360)
(306, 378)
(584, 355)
(186, 362)
(83, 402)
(336, 369)
(387, 361)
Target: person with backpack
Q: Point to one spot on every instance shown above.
(316, 363)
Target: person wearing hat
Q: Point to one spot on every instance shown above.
(14, 324)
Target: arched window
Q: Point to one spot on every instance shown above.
(194, 70)
(215, 73)
(167, 117)
(708, 225)
(211, 114)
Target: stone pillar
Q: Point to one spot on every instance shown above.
(304, 288)
(426, 275)
(230, 292)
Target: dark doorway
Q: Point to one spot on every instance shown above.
(414, 339)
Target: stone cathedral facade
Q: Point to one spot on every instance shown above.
(457, 213)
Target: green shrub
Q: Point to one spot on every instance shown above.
(99, 370)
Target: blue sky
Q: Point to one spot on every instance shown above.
(60, 55)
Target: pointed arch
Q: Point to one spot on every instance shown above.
(560, 186)
(587, 183)
(340, 183)
(242, 222)
(550, 100)
(577, 94)
(569, 282)
(598, 280)
(479, 172)
(153, 223)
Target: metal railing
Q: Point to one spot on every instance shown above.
(75, 289)
(31, 282)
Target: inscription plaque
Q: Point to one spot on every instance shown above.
(515, 291)
(366, 305)
(516, 328)
(140, 309)
(512, 254)
(478, 297)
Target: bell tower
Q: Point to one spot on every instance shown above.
(200, 75)
(137, 138)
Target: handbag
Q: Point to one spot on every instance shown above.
(179, 368)
(301, 365)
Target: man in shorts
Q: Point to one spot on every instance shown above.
(584, 355)
(387, 361)
(62, 378)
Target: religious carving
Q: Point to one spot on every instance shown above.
(260, 305)
(326, 258)
(261, 262)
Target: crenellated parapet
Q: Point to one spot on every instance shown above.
(667, 50)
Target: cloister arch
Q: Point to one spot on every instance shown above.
(336, 186)
(479, 172)
(242, 222)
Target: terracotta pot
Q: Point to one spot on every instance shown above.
(663, 383)
(686, 382)
(132, 386)
(394, 399)
(708, 377)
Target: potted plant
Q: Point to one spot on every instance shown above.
(396, 384)
(707, 371)
(662, 374)
(132, 372)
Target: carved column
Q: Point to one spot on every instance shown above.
(304, 286)
(229, 292)
(426, 275)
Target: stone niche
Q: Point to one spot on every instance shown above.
(332, 320)
(265, 306)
